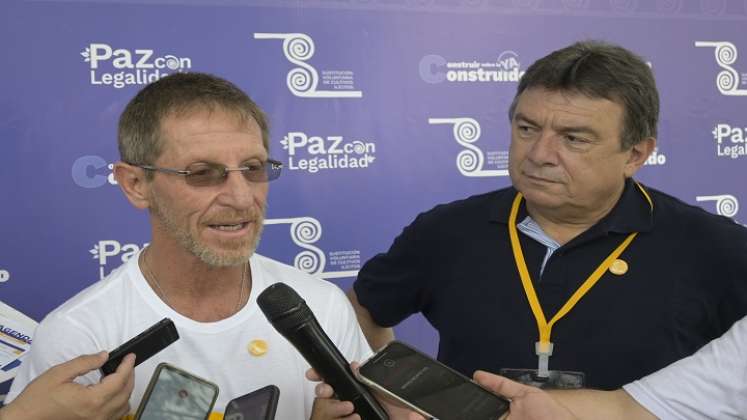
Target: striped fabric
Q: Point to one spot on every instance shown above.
(530, 228)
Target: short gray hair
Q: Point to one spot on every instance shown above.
(139, 134)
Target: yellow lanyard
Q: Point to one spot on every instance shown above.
(544, 346)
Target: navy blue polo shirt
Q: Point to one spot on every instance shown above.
(686, 285)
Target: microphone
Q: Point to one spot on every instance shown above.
(292, 318)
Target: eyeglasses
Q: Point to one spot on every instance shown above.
(206, 174)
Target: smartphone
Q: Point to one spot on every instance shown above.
(174, 394)
(259, 404)
(144, 345)
(429, 387)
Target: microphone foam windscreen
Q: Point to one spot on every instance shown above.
(279, 299)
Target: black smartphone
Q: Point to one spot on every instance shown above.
(174, 394)
(144, 345)
(259, 404)
(428, 386)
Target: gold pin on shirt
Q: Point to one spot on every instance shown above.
(619, 267)
(257, 347)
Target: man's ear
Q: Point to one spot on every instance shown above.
(131, 180)
(638, 154)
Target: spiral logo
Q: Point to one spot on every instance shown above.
(727, 206)
(726, 53)
(727, 81)
(300, 47)
(467, 131)
(468, 161)
(713, 7)
(623, 5)
(358, 147)
(307, 261)
(300, 80)
(172, 62)
(669, 6)
(526, 4)
(306, 231)
(576, 4)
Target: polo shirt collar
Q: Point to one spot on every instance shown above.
(632, 212)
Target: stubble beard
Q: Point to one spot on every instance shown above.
(233, 257)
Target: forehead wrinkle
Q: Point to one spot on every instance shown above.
(211, 143)
(562, 111)
(187, 112)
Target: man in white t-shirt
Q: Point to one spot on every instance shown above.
(195, 152)
(711, 384)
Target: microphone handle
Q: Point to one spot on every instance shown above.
(315, 346)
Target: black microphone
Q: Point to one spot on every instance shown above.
(292, 318)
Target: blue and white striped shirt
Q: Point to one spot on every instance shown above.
(530, 228)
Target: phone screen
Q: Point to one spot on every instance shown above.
(256, 405)
(175, 394)
(431, 386)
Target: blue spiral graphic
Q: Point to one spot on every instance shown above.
(624, 6)
(726, 54)
(307, 261)
(576, 4)
(300, 81)
(727, 81)
(468, 161)
(306, 232)
(467, 131)
(299, 47)
(713, 7)
(669, 6)
(727, 206)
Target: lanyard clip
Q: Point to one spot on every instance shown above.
(544, 351)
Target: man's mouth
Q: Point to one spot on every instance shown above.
(540, 179)
(228, 227)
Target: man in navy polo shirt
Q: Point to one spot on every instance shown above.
(577, 275)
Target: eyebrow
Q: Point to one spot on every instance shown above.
(259, 158)
(563, 129)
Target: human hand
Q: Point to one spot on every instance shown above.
(54, 395)
(344, 409)
(327, 408)
(527, 402)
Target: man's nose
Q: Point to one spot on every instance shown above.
(544, 150)
(237, 191)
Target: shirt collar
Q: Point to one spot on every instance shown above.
(632, 212)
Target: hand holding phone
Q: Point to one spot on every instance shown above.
(260, 404)
(428, 386)
(174, 394)
(144, 345)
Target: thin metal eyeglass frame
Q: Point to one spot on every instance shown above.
(272, 169)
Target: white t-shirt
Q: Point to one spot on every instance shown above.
(711, 384)
(112, 311)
